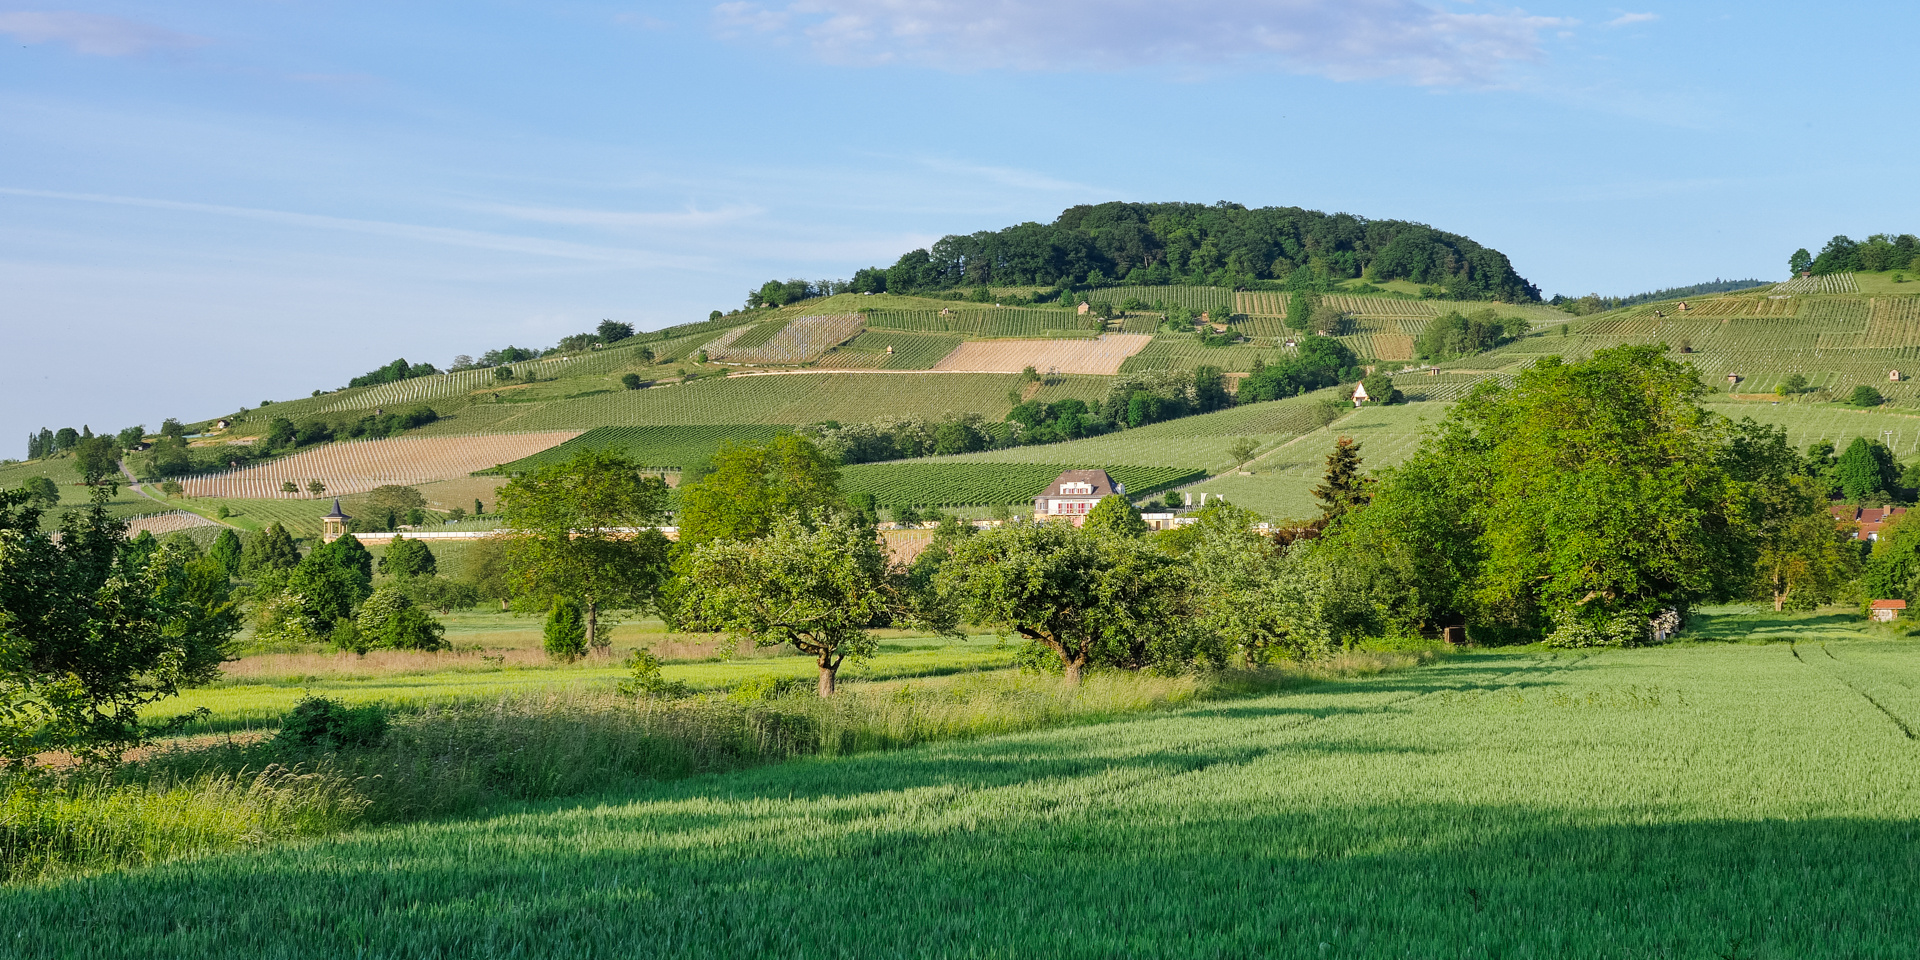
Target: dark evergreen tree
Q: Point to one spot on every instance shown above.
(1344, 489)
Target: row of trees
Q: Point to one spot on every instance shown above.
(1453, 334)
(1876, 253)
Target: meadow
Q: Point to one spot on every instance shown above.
(1708, 799)
(949, 484)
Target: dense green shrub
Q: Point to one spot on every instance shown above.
(319, 723)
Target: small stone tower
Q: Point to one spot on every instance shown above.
(334, 524)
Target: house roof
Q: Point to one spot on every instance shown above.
(336, 514)
(1889, 605)
(1102, 484)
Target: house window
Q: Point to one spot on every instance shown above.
(1075, 489)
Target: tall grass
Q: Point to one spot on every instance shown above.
(458, 757)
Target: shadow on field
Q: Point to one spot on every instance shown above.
(1058, 868)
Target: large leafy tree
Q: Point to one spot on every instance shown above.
(815, 586)
(584, 530)
(1866, 472)
(1255, 594)
(90, 634)
(1078, 596)
(1114, 515)
(1590, 490)
(753, 487)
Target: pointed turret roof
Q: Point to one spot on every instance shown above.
(336, 514)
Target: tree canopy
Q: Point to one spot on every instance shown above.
(753, 487)
(583, 530)
(1224, 244)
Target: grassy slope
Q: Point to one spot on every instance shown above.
(1720, 800)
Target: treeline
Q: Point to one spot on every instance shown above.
(1132, 400)
(1594, 303)
(1876, 253)
(1224, 245)
(1453, 334)
(46, 442)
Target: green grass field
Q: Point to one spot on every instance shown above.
(1282, 478)
(1703, 800)
(948, 484)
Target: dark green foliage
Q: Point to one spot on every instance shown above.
(393, 373)
(1224, 244)
(406, 559)
(631, 381)
(895, 438)
(1115, 516)
(1877, 253)
(270, 549)
(389, 620)
(42, 492)
(1317, 362)
(320, 723)
(565, 636)
(442, 594)
(97, 459)
(1867, 472)
(331, 581)
(1453, 335)
(1865, 396)
(91, 632)
(1800, 262)
(905, 515)
(1380, 389)
(1343, 488)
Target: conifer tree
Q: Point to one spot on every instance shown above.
(1344, 488)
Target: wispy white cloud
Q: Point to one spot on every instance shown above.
(446, 236)
(690, 218)
(1629, 19)
(92, 33)
(1405, 40)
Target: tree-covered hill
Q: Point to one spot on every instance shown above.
(1225, 244)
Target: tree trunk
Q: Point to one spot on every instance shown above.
(593, 626)
(827, 671)
(1073, 672)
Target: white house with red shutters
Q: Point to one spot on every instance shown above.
(1073, 494)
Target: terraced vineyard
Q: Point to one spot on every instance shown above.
(984, 322)
(1212, 299)
(796, 341)
(1261, 303)
(911, 351)
(1388, 306)
(950, 484)
(781, 398)
(1829, 283)
(361, 465)
(1180, 352)
(663, 448)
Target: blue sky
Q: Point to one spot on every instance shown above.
(203, 205)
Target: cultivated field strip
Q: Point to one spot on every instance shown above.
(1829, 283)
(795, 341)
(161, 524)
(1208, 299)
(438, 386)
(1774, 306)
(1182, 352)
(1261, 303)
(360, 465)
(718, 345)
(793, 398)
(1893, 322)
(659, 448)
(1101, 355)
(1386, 306)
(910, 351)
(984, 321)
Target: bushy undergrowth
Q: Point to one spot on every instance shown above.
(330, 770)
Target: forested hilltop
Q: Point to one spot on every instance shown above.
(1223, 245)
